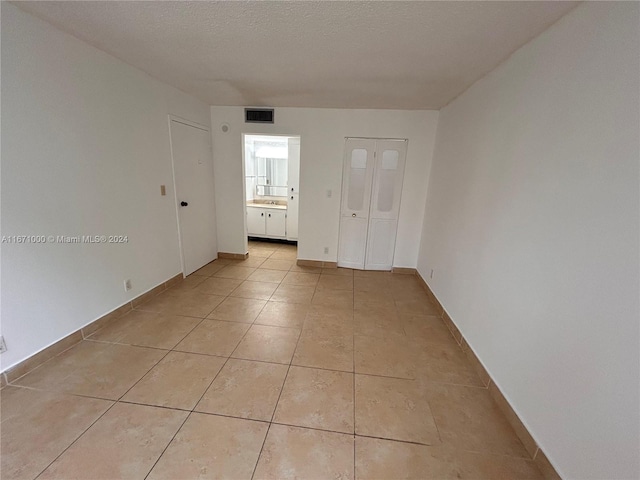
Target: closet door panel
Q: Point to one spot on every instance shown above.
(388, 178)
(381, 243)
(357, 179)
(353, 241)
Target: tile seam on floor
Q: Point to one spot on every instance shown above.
(77, 438)
(167, 445)
(275, 407)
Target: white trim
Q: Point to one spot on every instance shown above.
(189, 123)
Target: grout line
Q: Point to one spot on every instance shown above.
(77, 438)
(167, 446)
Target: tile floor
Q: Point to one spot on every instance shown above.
(263, 369)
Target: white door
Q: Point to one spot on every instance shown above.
(356, 195)
(256, 221)
(371, 190)
(276, 222)
(385, 203)
(193, 182)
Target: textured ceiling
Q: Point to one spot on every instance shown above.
(373, 54)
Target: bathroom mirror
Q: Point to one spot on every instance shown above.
(271, 175)
(266, 166)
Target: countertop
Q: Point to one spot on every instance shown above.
(267, 205)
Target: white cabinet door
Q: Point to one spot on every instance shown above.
(256, 221)
(276, 222)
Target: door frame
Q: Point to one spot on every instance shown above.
(175, 118)
(244, 182)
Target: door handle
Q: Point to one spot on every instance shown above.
(262, 214)
(269, 215)
(353, 214)
(292, 197)
(183, 204)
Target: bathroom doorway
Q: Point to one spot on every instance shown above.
(272, 188)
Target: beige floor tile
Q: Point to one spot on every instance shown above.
(297, 278)
(212, 447)
(373, 274)
(347, 272)
(255, 290)
(178, 381)
(421, 306)
(188, 283)
(227, 261)
(147, 329)
(218, 286)
(321, 349)
(192, 303)
(263, 253)
(394, 409)
(265, 275)
(427, 328)
(293, 294)
(315, 398)
(386, 459)
(245, 389)
(276, 264)
(38, 426)
(251, 262)
(468, 419)
(210, 268)
(124, 443)
(292, 452)
(335, 298)
(233, 309)
(281, 254)
(329, 319)
(268, 344)
(378, 284)
(281, 314)
(335, 282)
(213, 337)
(379, 324)
(305, 269)
(373, 301)
(446, 363)
(390, 356)
(94, 369)
(235, 272)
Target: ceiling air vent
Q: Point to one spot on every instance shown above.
(258, 115)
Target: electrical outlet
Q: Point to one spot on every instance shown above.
(127, 285)
(431, 275)
(326, 250)
(3, 346)
(329, 193)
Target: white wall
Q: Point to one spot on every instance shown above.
(532, 228)
(85, 148)
(322, 133)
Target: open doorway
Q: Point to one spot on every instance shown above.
(272, 196)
